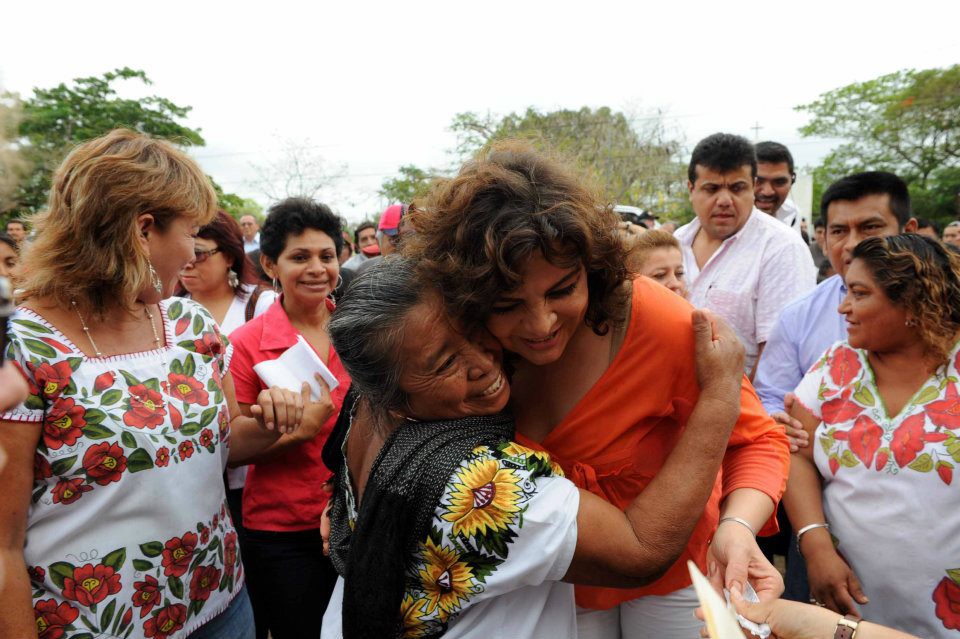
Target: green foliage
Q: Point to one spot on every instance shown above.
(236, 206)
(413, 182)
(631, 161)
(54, 120)
(906, 122)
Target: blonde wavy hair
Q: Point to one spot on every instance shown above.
(87, 248)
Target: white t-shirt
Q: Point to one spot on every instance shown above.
(750, 278)
(504, 535)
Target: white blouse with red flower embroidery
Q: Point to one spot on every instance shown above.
(128, 533)
(888, 490)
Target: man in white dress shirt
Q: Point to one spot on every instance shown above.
(741, 263)
(775, 179)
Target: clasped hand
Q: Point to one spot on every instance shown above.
(291, 413)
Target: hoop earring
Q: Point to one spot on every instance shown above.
(155, 279)
(232, 278)
(275, 288)
(339, 281)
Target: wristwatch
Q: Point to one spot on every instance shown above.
(846, 628)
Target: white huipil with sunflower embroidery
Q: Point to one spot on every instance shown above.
(504, 534)
(888, 488)
(127, 532)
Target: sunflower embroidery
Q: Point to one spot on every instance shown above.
(446, 580)
(485, 498)
(412, 617)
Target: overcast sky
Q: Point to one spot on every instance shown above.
(376, 85)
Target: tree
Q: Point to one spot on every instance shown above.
(236, 206)
(633, 160)
(298, 172)
(12, 165)
(906, 122)
(413, 182)
(56, 119)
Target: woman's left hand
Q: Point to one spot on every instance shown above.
(734, 558)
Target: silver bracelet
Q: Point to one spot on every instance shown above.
(742, 522)
(808, 528)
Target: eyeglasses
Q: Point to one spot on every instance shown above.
(200, 255)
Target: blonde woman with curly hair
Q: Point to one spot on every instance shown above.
(873, 501)
(115, 519)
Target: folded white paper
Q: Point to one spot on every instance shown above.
(721, 620)
(296, 366)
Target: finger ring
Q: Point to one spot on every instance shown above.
(817, 603)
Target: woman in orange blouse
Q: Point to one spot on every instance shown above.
(603, 368)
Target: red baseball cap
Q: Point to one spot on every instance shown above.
(390, 219)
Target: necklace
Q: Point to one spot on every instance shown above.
(86, 329)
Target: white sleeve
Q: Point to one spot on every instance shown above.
(808, 392)
(785, 275)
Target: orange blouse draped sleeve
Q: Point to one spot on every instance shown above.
(617, 437)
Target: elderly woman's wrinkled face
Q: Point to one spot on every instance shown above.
(873, 321)
(445, 374)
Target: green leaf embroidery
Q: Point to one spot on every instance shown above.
(923, 463)
(848, 459)
(206, 417)
(927, 395)
(863, 396)
(151, 548)
(111, 397)
(142, 565)
(198, 324)
(107, 615)
(176, 587)
(39, 348)
(33, 326)
(116, 620)
(175, 310)
(139, 460)
(953, 449)
(130, 379)
(96, 431)
(59, 571)
(62, 466)
(954, 574)
(196, 560)
(190, 428)
(74, 362)
(33, 402)
(176, 367)
(826, 443)
(115, 559)
(189, 366)
(83, 635)
(128, 440)
(153, 384)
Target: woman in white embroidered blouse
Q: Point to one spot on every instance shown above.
(115, 510)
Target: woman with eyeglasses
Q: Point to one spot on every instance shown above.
(283, 501)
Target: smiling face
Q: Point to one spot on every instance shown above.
(851, 222)
(306, 269)
(665, 265)
(873, 322)
(537, 320)
(445, 374)
(208, 274)
(722, 201)
(772, 186)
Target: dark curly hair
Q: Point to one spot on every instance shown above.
(920, 274)
(293, 216)
(475, 232)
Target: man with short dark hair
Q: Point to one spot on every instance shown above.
(364, 236)
(17, 230)
(742, 264)
(928, 228)
(853, 208)
(775, 179)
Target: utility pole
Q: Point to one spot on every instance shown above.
(756, 131)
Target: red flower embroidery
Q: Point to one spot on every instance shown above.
(41, 468)
(182, 325)
(176, 417)
(841, 409)
(52, 618)
(146, 408)
(168, 620)
(185, 449)
(206, 437)
(52, 380)
(947, 598)
(104, 463)
(208, 344)
(229, 552)
(204, 534)
(146, 595)
(127, 616)
(163, 456)
(223, 424)
(907, 440)
(68, 491)
(834, 465)
(945, 412)
(177, 553)
(865, 439)
(104, 381)
(205, 580)
(36, 573)
(91, 584)
(882, 459)
(64, 424)
(188, 389)
(945, 470)
(844, 366)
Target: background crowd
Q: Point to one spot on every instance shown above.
(532, 429)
